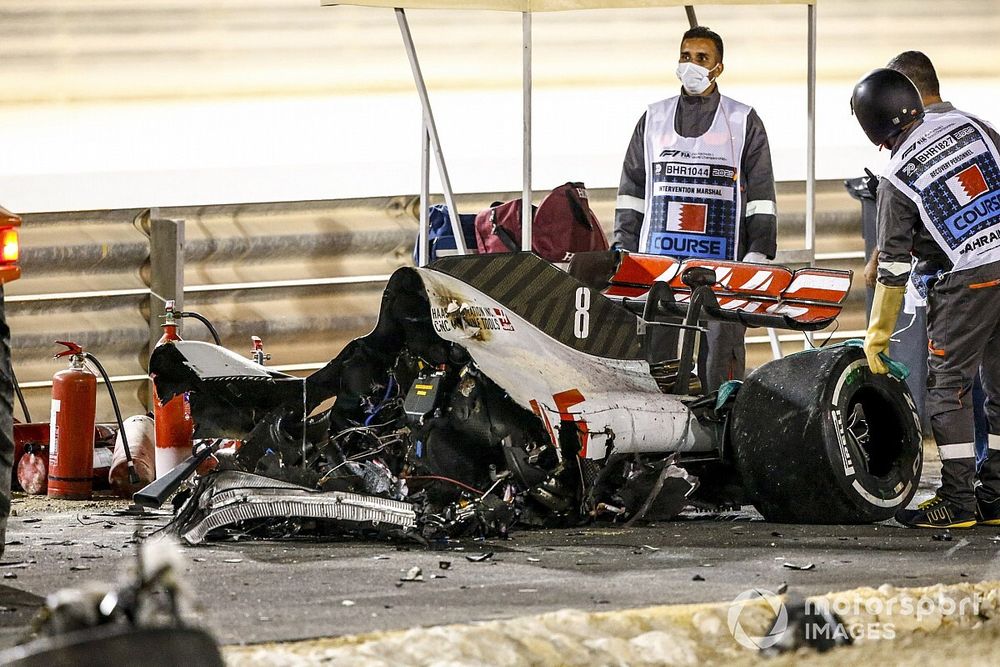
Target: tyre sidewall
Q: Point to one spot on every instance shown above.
(786, 440)
(879, 495)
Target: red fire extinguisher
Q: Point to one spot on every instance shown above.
(172, 421)
(71, 434)
(72, 428)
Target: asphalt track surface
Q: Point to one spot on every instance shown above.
(252, 591)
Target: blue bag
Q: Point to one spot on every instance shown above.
(440, 234)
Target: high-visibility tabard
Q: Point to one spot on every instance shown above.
(693, 199)
(949, 167)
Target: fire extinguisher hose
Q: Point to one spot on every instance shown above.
(204, 320)
(20, 397)
(133, 476)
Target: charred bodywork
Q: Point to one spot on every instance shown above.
(499, 389)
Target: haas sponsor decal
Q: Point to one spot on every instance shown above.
(967, 184)
(686, 217)
(503, 320)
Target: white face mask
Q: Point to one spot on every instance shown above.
(694, 78)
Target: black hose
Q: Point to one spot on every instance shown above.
(20, 396)
(203, 320)
(133, 477)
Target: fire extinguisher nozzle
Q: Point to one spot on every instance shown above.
(133, 476)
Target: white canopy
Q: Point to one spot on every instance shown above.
(432, 145)
(552, 5)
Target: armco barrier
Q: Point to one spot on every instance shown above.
(304, 276)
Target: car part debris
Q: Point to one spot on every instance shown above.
(156, 493)
(810, 624)
(228, 393)
(479, 558)
(232, 497)
(793, 566)
(101, 623)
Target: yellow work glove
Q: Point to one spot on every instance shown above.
(885, 310)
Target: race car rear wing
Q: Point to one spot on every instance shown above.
(757, 295)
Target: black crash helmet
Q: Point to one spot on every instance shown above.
(884, 101)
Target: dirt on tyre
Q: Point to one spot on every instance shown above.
(818, 438)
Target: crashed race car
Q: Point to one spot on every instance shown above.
(498, 390)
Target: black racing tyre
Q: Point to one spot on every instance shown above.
(6, 424)
(818, 438)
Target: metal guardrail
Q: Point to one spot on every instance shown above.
(306, 277)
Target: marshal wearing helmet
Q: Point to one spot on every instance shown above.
(939, 201)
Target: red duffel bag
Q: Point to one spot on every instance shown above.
(563, 224)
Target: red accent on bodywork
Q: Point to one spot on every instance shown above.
(564, 401)
(545, 420)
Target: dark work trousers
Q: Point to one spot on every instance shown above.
(721, 351)
(963, 328)
(722, 355)
(909, 345)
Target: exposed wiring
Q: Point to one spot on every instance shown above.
(384, 442)
(500, 479)
(367, 431)
(385, 399)
(441, 478)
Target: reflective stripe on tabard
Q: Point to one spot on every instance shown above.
(761, 207)
(994, 442)
(950, 168)
(895, 268)
(685, 204)
(963, 450)
(631, 203)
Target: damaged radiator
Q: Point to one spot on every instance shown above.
(231, 497)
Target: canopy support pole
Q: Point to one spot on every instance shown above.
(692, 18)
(430, 130)
(811, 135)
(772, 337)
(424, 249)
(526, 148)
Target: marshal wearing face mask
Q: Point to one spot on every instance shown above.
(697, 182)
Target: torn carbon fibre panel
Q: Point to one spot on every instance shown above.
(230, 497)
(229, 394)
